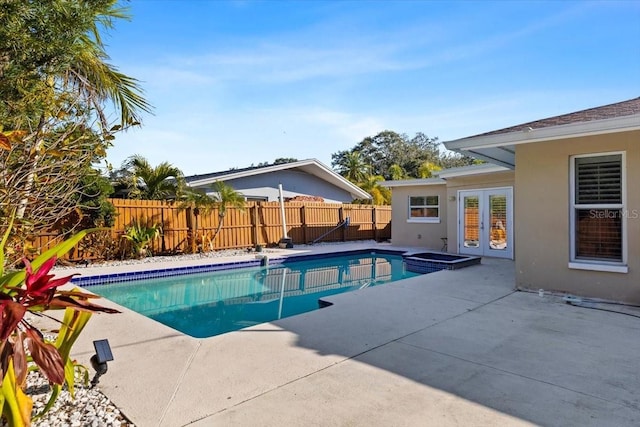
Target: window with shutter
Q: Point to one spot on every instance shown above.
(597, 208)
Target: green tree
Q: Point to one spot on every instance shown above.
(226, 197)
(379, 195)
(51, 51)
(282, 160)
(163, 182)
(388, 151)
(278, 161)
(450, 160)
(390, 148)
(55, 89)
(396, 172)
(200, 203)
(352, 165)
(427, 168)
(223, 197)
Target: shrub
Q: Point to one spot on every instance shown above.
(33, 289)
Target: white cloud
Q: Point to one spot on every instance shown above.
(320, 88)
(204, 142)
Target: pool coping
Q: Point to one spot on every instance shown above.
(420, 349)
(416, 264)
(158, 304)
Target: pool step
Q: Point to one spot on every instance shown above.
(429, 262)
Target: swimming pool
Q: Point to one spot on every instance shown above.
(207, 304)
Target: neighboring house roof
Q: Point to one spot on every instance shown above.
(498, 146)
(310, 166)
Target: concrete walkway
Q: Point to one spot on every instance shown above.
(453, 348)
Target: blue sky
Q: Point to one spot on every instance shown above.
(242, 82)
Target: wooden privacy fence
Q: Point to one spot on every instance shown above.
(259, 223)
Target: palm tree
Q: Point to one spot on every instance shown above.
(353, 167)
(427, 168)
(82, 72)
(153, 183)
(396, 172)
(226, 197)
(201, 202)
(379, 195)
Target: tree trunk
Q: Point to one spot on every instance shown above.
(22, 205)
(220, 221)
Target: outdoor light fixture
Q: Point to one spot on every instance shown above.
(100, 359)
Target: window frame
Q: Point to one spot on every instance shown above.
(597, 264)
(433, 220)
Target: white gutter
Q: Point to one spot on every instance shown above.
(413, 182)
(471, 170)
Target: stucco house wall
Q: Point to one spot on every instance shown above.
(471, 182)
(404, 232)
(542, 225)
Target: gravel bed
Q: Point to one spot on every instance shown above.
(90, 408)
(161, 259)
(212, 255)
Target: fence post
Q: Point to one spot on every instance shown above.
(303, 220)
(191, 237)
(260, 222)
(255, 224)
(374, 218)
(340, 221)
(163, 244)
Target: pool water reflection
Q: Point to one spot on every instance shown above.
(208, 304)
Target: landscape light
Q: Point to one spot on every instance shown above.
(100, 359)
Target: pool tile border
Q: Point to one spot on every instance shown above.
(157, 273)
(261, 260)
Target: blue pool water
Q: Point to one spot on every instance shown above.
(207, 304)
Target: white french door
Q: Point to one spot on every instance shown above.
(485, 218)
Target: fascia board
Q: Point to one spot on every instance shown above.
(413, 182)
(474, 171)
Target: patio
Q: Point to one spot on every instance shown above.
(449, 348)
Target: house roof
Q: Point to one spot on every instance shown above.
(310, 166)
(498, 146)
(413, 182)
(444, 174)
(480, 169)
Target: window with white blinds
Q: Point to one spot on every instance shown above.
(597, 208)
(599, 180)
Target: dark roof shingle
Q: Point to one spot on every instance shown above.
(619, 109)
(192, 178)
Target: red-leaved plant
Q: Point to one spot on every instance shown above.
(34, 289)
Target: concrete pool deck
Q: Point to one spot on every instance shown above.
(445, 349)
